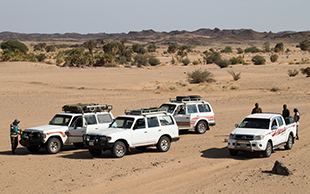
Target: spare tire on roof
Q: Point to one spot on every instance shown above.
(180, 98)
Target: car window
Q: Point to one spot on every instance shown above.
(152, 122)
(140, 124)
(274, 123)
(280, 121)
(203, 108)
(165, 120)
(168, 107)
(90, 119)
(181, 110)
(104, 118)
(60, 120)
(122, 122)
(191, 109)
(255, 123)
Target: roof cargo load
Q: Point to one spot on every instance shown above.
(92, 107)
(143, 111)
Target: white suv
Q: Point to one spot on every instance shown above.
(191, 112)
(136, 129)
(67, 128)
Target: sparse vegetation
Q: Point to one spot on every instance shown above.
(141, 60)
(186, 61)
(222, 63)
(258, 60)
(252, 49)
(151, 48)
(274, 58)
(172, 49)
(153, 61)
(236, 60)
(266, 47)
(304, 45)
(305, 71)
(196, 62)
(41, 57)
(236, 76)
(239, 50)
(39, 47)
(279, 47)
(199, 76)
(275, 89)
(211, 57)
(14, 45)
(227, 50)
(292, 73)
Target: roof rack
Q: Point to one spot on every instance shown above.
(187, 98)
(144, 111)
(86, 108)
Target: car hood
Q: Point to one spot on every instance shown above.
(249, 131)
(47, 128)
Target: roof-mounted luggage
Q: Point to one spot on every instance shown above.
(187, 98)
(84, 108)
(144, 111)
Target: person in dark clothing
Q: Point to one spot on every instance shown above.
(296, 119)
(14, 131)
(285, 112)
(257, 109)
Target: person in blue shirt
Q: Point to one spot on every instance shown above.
(14, 131)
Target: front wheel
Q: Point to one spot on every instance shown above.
(233, 152)
(268, 150)
(289, 143)
(201, 127)
(95, 152)
(163, 144)
(53, 145)
(33, 149)
(119, 149)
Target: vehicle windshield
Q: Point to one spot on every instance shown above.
(255, 123)
(169, 108)
(62, 120)
(122, 122)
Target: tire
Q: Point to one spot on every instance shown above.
(268, 150)
(95, 152)
(78, 145)
(53, 145)
(289, 143)
(201, 127)
(163, 144)
(118, 149)
(233, 152)
(142, 148)
(33, 149)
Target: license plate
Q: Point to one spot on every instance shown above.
(91, 143)
(243, 145)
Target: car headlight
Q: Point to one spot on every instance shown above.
(259, 137)
(232, 136)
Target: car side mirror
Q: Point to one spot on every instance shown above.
(236, 125)
(274, 127)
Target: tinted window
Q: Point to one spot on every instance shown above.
(140, 124)
(90, 119)
(191, 109)
(274, 123)
(255, 123)
(165, 120)
(181, 110)
(152, 122)
(60, 120)
(167, 107)
(280, 121)
(104, 118)
(122, 122)
(203, 108)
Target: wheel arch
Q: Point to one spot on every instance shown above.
(58, 137)
(204, 120)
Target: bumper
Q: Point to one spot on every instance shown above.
(95, 144)
(31, 139)
(244, 145)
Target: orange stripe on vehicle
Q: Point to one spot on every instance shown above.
(56, 132)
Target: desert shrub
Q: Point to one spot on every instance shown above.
(266, 47)
(222, 63)
(236, 76)
(16, 55)
(173, 61)
(153, 61)
(195, 62)
(14, 45)
(182, 51)
(41, 57)
(90, 45)
(127, 54)
(111, 47)
(172, 49)
(199, 76)
(227, 50)
(50, 48)
(252, 49)
(186, 61)
(304, 45)
(236, 60)
(279, 47)
(39, 47)
(104, 59)
(141, 60)
(212, 57)
(61, 46)
(292, 73)
(136, 47)
(305, 61)
(239, 50)
(59, 60)
(275, 89)
(258, 60)
(77, 57)
(305, 71)
(274, 58)
(151, 48)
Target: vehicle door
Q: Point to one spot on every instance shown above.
(205, 112)
(154, 129)
(193, 113)
(167, 125)
(139, 135)
(181, 117)
(282, 130)
(275, 131)
(104, 120)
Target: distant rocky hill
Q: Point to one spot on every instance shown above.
(198, 37)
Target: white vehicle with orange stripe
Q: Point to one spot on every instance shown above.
(67, 128)
(262, 132)
(191, 112)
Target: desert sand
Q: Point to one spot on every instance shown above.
(34, 92)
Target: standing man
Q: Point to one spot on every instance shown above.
(296, 119)
(257, 109)
(14, 131)
(285, 112)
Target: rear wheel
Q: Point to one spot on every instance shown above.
(119, 149)
(95, 152)
(233, 152)
(163, 144)
(53, 145)
(33, 149)
(268, 150)
(201, 127)
(289, 143)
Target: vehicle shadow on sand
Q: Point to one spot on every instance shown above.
(224, 153)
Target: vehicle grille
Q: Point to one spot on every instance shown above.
(244, 137)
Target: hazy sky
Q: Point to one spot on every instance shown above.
(95, 16)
